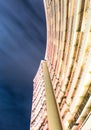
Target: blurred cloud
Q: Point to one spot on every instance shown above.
(22, 46)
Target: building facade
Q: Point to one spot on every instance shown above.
(68, 59)
(44, 107)
(39, 112)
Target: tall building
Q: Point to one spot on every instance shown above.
(39, 118)
(44, 108)
(68, 63)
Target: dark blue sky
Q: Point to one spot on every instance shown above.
(22, 46)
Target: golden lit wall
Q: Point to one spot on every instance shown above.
(68, 56)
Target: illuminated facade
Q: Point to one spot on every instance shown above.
(39, 112)
(44, 108)
(68, 58)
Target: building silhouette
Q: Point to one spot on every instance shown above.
(62, 85)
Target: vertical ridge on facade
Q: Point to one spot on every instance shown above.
(52, 111)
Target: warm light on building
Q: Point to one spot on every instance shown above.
(66, 71)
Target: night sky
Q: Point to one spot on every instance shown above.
(22, 46)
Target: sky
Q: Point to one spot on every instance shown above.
(22, 46)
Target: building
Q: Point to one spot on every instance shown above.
(44, 108)
(39, 110)
(68, 59)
